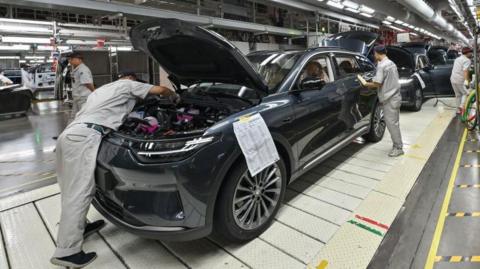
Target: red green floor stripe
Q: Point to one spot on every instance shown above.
(365, 227)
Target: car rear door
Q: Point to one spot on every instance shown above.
(356, 99)
(316, 112)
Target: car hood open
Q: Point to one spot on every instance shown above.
(193, 54)
(357, 41)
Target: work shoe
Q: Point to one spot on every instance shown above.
(77, 260)
(395, 152)
(93, 227)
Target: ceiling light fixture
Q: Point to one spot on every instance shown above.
(335, 4)
(15, 47)
(21, 29)
(390, 18)
(367, 10)
(396, 28)
(9, 57)
(386, 22)
(29, 40)
(366, 15)
(352, 10)
(350, 4)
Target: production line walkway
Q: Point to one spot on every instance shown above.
(335, 215)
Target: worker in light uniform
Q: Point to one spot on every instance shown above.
(387, 81)
(76, 151)
(82, 82)
(460, 77)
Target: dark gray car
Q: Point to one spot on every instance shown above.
(189, 177)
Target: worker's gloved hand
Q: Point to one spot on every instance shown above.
(175, 98)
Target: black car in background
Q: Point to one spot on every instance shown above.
(420, 78)
(190, 178)
(15, 75)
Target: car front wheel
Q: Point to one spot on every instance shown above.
(248, 204)
(418, 100)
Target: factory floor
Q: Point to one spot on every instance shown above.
(342, 214)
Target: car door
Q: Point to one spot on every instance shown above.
(355, 98)
(441, 72)
(316, 111)
(422, 68)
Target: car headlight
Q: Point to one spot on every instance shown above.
(405, 80)
(169, 151)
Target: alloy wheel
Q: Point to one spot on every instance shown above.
(379, 121)
(255, 198)
(418, 98)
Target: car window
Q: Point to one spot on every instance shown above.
(317, 71)
(347, 65)
(365, 64)
(437, 56)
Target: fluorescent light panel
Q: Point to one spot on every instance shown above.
(350, 4)
(352, 10)
(15, 47)
(390, 18)
(29, 40)
(19, 29)
(366, 15)
(335, 4)
(9, 57)
(367, 10)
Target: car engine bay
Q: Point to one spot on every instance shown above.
(157, 117)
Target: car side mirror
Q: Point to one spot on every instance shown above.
(313, 84)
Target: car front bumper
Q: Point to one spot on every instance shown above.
(168, 201)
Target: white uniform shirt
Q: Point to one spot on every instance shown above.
(460, 65)
(81, 75)
(387, 75)
(110, 104)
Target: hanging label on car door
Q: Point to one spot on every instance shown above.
(256, 143)
(422, 83)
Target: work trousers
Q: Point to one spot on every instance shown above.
(461, 93)
(77, 149)
(77, 104)
(391, 109)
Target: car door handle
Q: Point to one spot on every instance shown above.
(289, 119)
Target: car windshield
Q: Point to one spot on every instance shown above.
(274, 66)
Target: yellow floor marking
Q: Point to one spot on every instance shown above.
(438, 258)
(323, 264)
(443, 212)
(475, 259)
(476, 214)
(415, 157)
(456, 259)
(460, 214)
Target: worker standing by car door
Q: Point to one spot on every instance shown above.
(387, 81)
(460, 77)
(76, 154)
(82, 82)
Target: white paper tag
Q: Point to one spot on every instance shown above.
(422, 83)
(256, 143)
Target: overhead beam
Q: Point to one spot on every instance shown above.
(149, 12)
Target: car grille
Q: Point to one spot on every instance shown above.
(115, 209)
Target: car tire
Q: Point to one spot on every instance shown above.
(377, 125)
(418, 100)
(229, 225)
